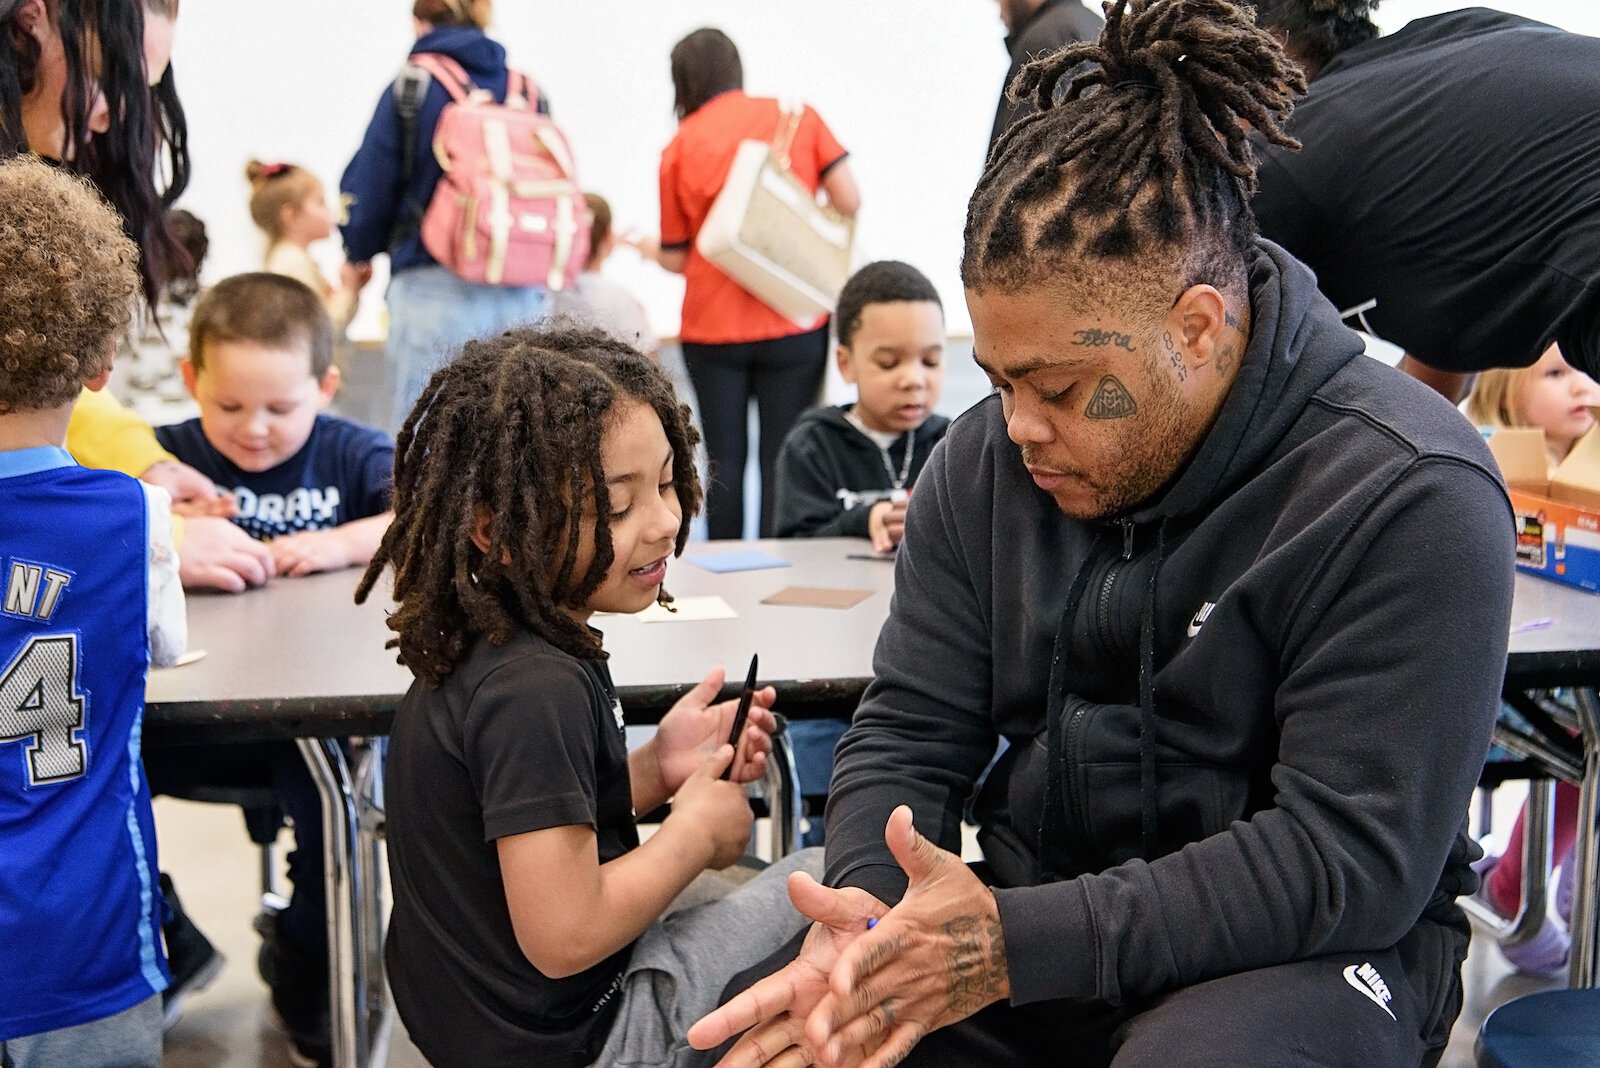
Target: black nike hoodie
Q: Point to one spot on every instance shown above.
(1244, 721)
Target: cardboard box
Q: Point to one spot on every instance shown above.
(1557, 513)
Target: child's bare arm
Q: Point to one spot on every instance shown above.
(570, 911)
(349, 544)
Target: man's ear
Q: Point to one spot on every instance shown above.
(1203, 332)
(96, 382)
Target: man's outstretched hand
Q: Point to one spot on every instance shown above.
(865, 997)
(773, 1012)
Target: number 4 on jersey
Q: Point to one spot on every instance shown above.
(40, 704)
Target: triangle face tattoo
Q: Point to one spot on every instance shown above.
(1111, 401)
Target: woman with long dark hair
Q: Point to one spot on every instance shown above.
(736, 347)
(87, 84)
(74, 89)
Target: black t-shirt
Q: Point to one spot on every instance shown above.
(1451, 173)
(1056, 24)
(520, 737)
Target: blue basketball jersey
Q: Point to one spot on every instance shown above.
(79, 903)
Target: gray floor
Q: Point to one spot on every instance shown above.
(230, 1025)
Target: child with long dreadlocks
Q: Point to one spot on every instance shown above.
(541, 478)
(1191, 560)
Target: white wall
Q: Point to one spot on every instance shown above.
(909, 86)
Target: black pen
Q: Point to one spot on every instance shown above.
(741, 715)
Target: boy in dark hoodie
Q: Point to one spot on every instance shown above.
(847, 471)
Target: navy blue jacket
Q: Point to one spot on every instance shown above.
(374, 189)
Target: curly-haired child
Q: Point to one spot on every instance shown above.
(90, 599)
(544, 476)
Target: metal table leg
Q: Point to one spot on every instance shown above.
(359, 1018)
(1585, 925)
(781, 784)
(1535, 903)
(370, 927)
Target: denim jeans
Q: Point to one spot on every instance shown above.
(432, 313)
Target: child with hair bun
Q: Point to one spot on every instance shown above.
(290, 206)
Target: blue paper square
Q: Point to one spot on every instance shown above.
(735, 560)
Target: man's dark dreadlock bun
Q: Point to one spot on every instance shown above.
(1147, 146)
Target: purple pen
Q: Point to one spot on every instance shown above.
(1533, 624)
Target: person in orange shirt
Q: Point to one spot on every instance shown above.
(735, 346)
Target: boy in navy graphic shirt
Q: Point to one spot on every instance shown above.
(316, 488)
(261, 367)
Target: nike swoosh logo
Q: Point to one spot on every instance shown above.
(1365, 991)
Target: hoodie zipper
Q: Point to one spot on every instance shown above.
(1108, 585)
(1069, 755)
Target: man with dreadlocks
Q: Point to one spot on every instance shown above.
(1174, 563)
(1449, 188)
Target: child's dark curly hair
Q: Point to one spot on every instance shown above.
(66, 288)
(513, 428)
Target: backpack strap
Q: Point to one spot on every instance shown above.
(789, 115)
(448, 73)
(520, 88)
(410, 90)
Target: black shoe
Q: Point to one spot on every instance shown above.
(299, 984)
(192, 959)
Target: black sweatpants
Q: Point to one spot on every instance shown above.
(783, 375)
(1325, 1011)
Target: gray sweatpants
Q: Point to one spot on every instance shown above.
(128, 1039)
(681, 964)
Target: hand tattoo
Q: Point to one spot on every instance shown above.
(977, 962)
(1111, 400)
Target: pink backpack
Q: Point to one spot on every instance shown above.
(508, 210)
